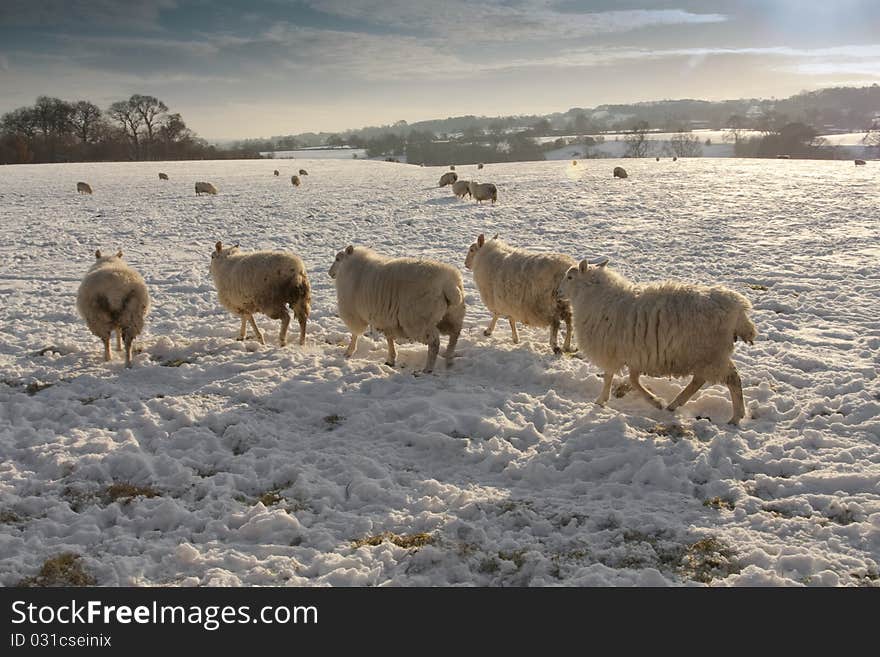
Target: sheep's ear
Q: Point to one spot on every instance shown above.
(219, 246)
(119, 253)
(600, 261)
(97, 254)
(584, 266)
(349, 250)
(481, 240)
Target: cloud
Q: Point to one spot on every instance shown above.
(143, 14)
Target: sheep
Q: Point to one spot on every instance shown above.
(574, 163)
(163, 176)
(294, 180)
(521, 285)
(860, 163)
(113, 297)
(483, 191)
(83, 188)
(276, 173)
(262, 281)
(448, 178)
(205, 188)
(480, 165)
(303, 172)
(620, 172)
(461, 188)
(404, 298)
(452, 167)
(658, 329)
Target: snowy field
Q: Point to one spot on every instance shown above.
(217, 462)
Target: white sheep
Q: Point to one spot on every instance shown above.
(522, 286)
(294, 180)
(163, 176)
(113, 297)
(276, 173)
(205, 188)
(483, 191)
(83, 188)
(620, 172)
(448, 178)
(303, 172)
(264, 282)
(461, 188)
(404, 298)
(658, 329)
(480, 165)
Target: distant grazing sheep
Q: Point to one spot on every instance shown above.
(262, 282)
(303, 172)
(448, 178)
(783, 157)
(658, 159)
(163, 176)
(522, 286)
(113, 297)
(83, 188)
(483, 191)
(860, 163)
(574, 163)
(205, 188)
(461, 188)
(294, 180)
(480, 165)
(276, 173)
(675, 159)
(405, 298)
(620, 172)
(658, 329)
(452, 167)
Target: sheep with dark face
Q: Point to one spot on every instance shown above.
(83, 188)
(205, 188)
(262, 282)
(404, 298)
(113, 297)
(448, 178)
(658, 329)
(295, 181)
(483, 191)
(163, 176)
(620, 172)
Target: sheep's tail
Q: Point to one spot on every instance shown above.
(301, 293)
(745, 330)
(453, 292)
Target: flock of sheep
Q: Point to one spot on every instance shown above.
(660, 329)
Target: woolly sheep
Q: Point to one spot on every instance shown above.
(658, 329)
(452, 167)
(448, 178)
(522, 286)
(83, 188)
(294, 180)
(163, 176)
(205, 188)
(113, 297)
(461, 188)
(574, 163)
(275, 173)
(620, 172)
(483, 191)
(405, 298)
(480, 165)
(860, 163)
(262, 282)
(303, 172)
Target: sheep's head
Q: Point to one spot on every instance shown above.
(472, 250)
(334, 268)
(588, 272)
(220, 252)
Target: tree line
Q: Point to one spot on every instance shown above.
(140, 128)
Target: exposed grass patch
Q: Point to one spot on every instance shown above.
(270, 497)
(719, 503)
(708, 559)
(458, 435)
(125, 493)
(407, 541)
(672, 430)
(333, 421)
(758, 287)
(65, 569)
(9, 517)
(36, 386)
(622, 389)
(175, 362)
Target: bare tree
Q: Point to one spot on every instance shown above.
(85, 118)
(150, 110)
(123, 113)
(637, 144)
(685, 144)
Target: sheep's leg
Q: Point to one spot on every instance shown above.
(450, 348)
(554, 336)
(650, 396)
(734, 384)
(433, 350)
(258, 332)
(606, 388)
(353, 344)
(301, 318)
(491, 326)
(118, 338)
(243, 331)
(106, 341)
(392, 352)
(688, 392)
(129, 339)
(285, 322)
(566, 346)
(513, 330)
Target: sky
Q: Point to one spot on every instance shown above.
(259, 68)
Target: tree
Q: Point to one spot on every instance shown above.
(736, 127)
(685, 144)
(123, 113)
(85, 118)
(637, 144)
(150, 110)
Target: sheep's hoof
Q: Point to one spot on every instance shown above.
(671, 408)
(240, 338)
(487, 333)
(601, 402)
(389, 363)
(557, 351)
(656, 403)
(734, 421)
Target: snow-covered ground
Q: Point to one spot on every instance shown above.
(267, 465)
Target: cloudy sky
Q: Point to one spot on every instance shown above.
(269, 67)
